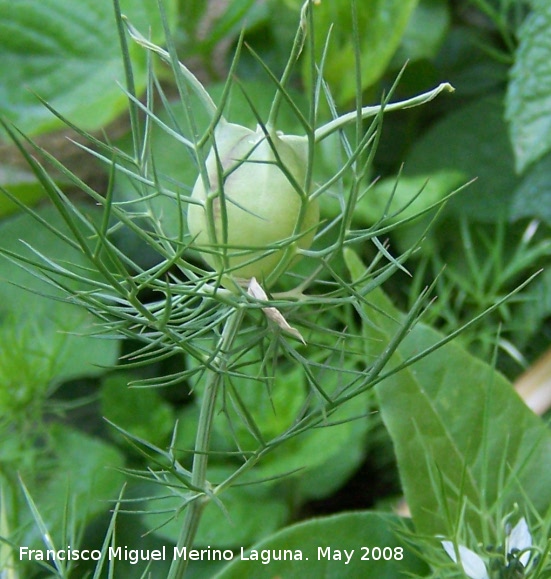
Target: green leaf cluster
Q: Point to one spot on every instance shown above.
(69, 55)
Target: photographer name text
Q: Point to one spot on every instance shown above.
(264, 556)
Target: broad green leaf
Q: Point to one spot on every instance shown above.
(234, 525)
(400, 198)
(344, 449)
(58, 330)
(236, 14)
(533, 195)
(370, 541)
(424, 32)
(205, 28)
(195, 12)
(381, 25)
(69, 54)
(473, 71)
(86, 465)
(140, 411)
(272, 408)
(472, 141)
(462, 436)
(20, 183)
(241, 524)
(83, 468)
(249, 405)
(31, 360)
(323, 457)
(529, 92)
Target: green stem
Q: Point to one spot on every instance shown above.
(298, 45)
(195, 508)
(367, 112)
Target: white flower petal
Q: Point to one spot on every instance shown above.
(473, 566)
(450, 550)
(519, 538)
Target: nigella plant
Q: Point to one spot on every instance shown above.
(254, 286)
(516, 559)
(253, 210)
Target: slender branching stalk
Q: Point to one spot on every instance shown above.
(214, 378)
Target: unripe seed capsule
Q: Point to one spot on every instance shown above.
(259, 202)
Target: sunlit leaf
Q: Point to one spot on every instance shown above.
(461, 433)
(381, 24)
(344, 546)
(69, 54)
(59, 329)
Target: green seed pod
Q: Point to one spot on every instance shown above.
(262, 202)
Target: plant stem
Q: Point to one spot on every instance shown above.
(195, 508)
(367, 112)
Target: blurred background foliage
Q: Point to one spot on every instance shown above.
(56, 381)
